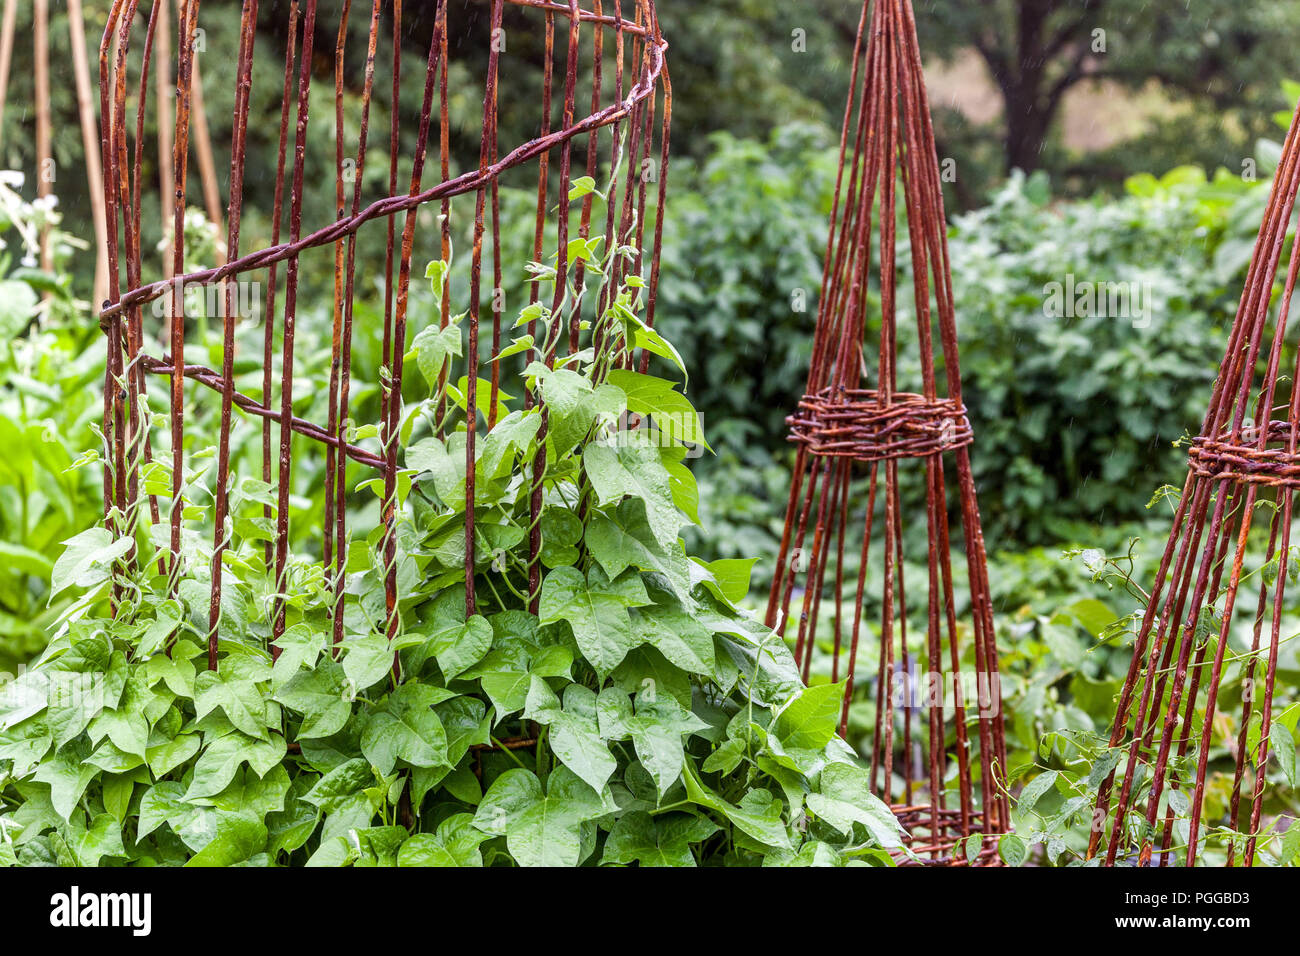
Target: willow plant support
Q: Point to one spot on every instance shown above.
(615, 46)
(870, 456)
(1196, 721)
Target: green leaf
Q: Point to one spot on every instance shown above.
(635, 469)
(237, 839)
(68, 775)
(377, 846)
(1290, 844)
(87, 559)
(164, 802)
(455, 843)
(561, 531)
(322, 696)
(580, 187)
(166, 757)
(253, 795)
(570, 408)
(1281, 743)
(627, 541)
(541, 829)
(844, 797)
(1034, 790)
(1093, 615)
(333, 791)
(168, 616)
(458, 647)
(1102, 768)
(596, 610)
(726, 758)
(436, 272)
(445, 462)
(640, 838)
(672, 411)
(289, 828)
(650, 340)
(125, 725)
(117, 793)
(482, 397)
(432, 347)
(239, 699)
(658, 729)
(731, 577)
(574, 732)
(1013, 849)
(102, 838)
(670, 629)
(758, 815)
(645, 671)
(809, 720)
(406, 728)
(300, 646)
(510, 438)
(507, 683)
(466, 723)
(217, 764)
(367, 660)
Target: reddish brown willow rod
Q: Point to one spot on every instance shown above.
(621, 127)
(887, 142)
(1165, 724)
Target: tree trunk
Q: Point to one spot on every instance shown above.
(1027, 124)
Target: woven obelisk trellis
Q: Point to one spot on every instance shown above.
(933, 742)
(603, 103)
(1197, 706)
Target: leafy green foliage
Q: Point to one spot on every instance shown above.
(638, 717)
(1066, 671)
(49, 378)
(1071, 412)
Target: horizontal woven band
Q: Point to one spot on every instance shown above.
(859, 424)
(1244, 461)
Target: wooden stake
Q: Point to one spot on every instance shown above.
(6, 54)
(164, 92)
(207, 165)
(90, 144)
(44, 160)
(203, 153)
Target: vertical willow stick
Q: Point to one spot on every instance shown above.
(44, 160)
(6, 54)
(90, 144)
(162, 56)
(207, 164)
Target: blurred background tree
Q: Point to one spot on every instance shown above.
(1170, 81)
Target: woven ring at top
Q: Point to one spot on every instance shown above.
(863, 425)
(1241, 460)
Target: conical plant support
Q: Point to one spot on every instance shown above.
(604, 108)
(935, 737)
(1197, 722)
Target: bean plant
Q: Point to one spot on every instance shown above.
(607, 705)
